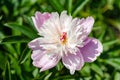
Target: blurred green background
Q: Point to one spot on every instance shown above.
(17, 29)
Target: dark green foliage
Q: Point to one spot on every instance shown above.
(17, 29)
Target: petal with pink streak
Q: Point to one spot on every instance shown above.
(50, 62)
(39, 19)
(87, 24)
(36, 56)
(34, 44)
(86, 41)
(73, 61)
(91, 50)
(44, 60)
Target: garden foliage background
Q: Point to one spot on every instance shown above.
(17, 29)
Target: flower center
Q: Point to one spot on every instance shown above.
(63, 38)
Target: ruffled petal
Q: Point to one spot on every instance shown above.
(50, 62)
(44, 59)
(87, 24)
(39, 19)
(65, 21)
(91, 50)
(36, 56)
(73, 61)
(34, 44)
(81, 29)
(86, 41)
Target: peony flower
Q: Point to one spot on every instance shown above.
(63, 37)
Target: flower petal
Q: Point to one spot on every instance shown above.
(65, 21)
(87, 24)
(44, 59)
(37, 54)
(52, 25)
(86, 41)
(39, 19)
(34, 44)
(73, 61)
(91, 50)
(51, 62)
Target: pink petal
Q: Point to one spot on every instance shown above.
(34, 44)
(91, 50)
(87, 24)
(37, 54)
(44, 60)
(83, 27)
(39, 19)
(86, 41)
(73, 62)
(51, 62)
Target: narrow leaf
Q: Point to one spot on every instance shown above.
(56, 4)
(3, 61)
(113, 62)
(117, 76)
(85, 71)
(14, 39)
(69, 6)
(24, 55)
(29, 21)
(97, 69)
(111, 42)
(9, 72)
(47, 77)
(23, 29)
(80, 7)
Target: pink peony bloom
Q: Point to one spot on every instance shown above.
(63, 38)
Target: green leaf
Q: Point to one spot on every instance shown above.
(56, 4)
(25, 54)
(29, 21)
(117, 76)
(59, 66)
(7, 72)
(113, 62)
(80, 7)
(47, 77)
(3, 61)
(23, 29)
(108, 43)
(85, 71)
(1, 36)
(35, 72)
(115, 23)
(16, 66)
(64, 77)
(97, 69)
(97, 77)
(14, 39)
(69, 6)
(1, 17)
(10, 48)
(101, 37)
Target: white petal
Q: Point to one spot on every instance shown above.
(87, 24)
(73, 62)
(65, 21)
